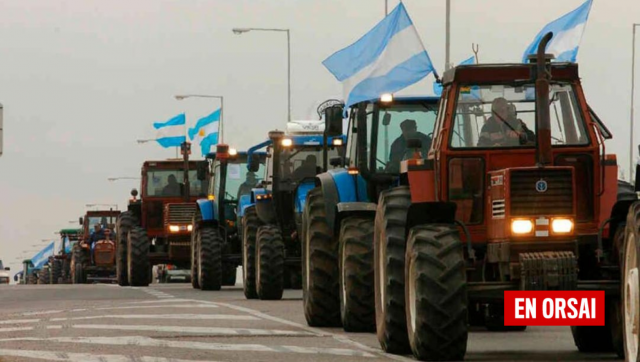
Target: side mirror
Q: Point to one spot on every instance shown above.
(333, 120)
(202, 167)
(386, 119)
(335, 161)
(254, 163)
(7, 268)
(80, 220)
(134, 192)
(414, 143)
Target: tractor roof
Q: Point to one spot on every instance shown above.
(103, 213)
(484, 73)
(70, 231)
(168, 164)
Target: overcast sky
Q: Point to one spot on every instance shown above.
(81, 81)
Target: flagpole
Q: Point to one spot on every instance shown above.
(633, 73)
(448, 36)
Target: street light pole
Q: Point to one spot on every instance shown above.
(447, 36)
(246, 30)
(633, 78)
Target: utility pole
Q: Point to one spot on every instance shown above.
(448, 37)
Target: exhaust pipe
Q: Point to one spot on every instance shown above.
(544, 156)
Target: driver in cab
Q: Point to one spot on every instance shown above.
(503, 128)
(399, 150)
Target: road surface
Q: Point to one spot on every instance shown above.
(173, 322)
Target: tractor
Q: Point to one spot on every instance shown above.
(156, 228)
(339, 215)
(216, 238)
(60, 263)
(516, 192)
(5, 278)
(272, 228)
(94, 257)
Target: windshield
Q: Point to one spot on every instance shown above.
(240, 181)
(499, 116)
(170, 183)
(103, 221)
(396, 124)
(304, 161)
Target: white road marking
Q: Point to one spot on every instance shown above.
(142, 341)
(85, 357)
(189, 306)
(43, 312)
(16, 329)
(163, 316)
(192, 330)
(175, 300)
(20, 321)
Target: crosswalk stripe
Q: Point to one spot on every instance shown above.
(163, 316)
(192, 330)
(85, 357)
(15, 329)
(20, 321)
(175, 300)
(189, 306)
(141, 341)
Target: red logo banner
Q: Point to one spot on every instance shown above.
(554, 308)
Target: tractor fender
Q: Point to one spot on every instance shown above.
(207, 209)
(338, 186)
(626, 196)
(302, 190)
(266, 210)
(431, 212)
(345, 209)
(243, 203)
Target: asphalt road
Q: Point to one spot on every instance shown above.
(173, 322)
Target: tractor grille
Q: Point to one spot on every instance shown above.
(180, 213)
(4, 280)
(556, 200)
(104, 254)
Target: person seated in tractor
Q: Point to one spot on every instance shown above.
(503, 128)
(249, 183)
(399, 150)
(173, 188)
(309, 168)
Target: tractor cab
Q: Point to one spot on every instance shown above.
(99, 235)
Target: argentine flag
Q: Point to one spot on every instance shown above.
(567, 34)
(388, 58)
(205, 131)
(172, 132)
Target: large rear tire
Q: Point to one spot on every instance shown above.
(138, 257)
(126, 221)
(209, 258)
(78, 259)
(78, 274)
(320, 275)
(630, 285)
(389, 257)
(250, 224)
(269, 263)
(357, 304)
(55, 271)
(43, 276)
(32, 279)
(436, 294)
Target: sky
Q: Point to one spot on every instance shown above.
(81, 81)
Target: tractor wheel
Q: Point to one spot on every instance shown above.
(194, 252)
(320, 276)
(78, 259)
(32, 279)
(55, 271)
(630, 285)
(357, 304)
(250, 224)
(126, 221)
(66, 270)
(209, 258)
(43, 276)
(436, 294)
(269, 263)
(138, 257)
(78, 274)
(388, 255)
(229, 272)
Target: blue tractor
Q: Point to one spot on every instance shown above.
(216, 238)
(339, 217)
(272, 223)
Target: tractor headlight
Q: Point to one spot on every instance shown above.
(233, 152)
(174, 228)
(521, 226)
(286, 142)
(561, 225)
(337, 142)
(386, 98)
(189, 227)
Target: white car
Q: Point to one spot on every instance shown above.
(5, 278)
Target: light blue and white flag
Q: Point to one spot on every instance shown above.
(42, 256)
(205, 132)
(437, 87)
(172, 132)
(388, 58)
(567, 35)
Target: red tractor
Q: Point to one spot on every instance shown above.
(515, 193)
(156, 229)
(93, 258)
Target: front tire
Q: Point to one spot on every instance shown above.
(630, 285)
(126, 222)
(357, 304)
(389, 258)
(269, 263)
(436, 294)
(78, 274)
(209, 258)
(250, 224)
(43, 276)
(138, 257)
(55, 271)
(320, 275)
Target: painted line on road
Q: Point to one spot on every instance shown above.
(160, 306)
(163, 316)
(42, 312)
(85, 357)
(15, 329)
(194, 330)
(20, 321)
(174, 300)
(142, 341)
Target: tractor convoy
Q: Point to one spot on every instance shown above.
(411, 223)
